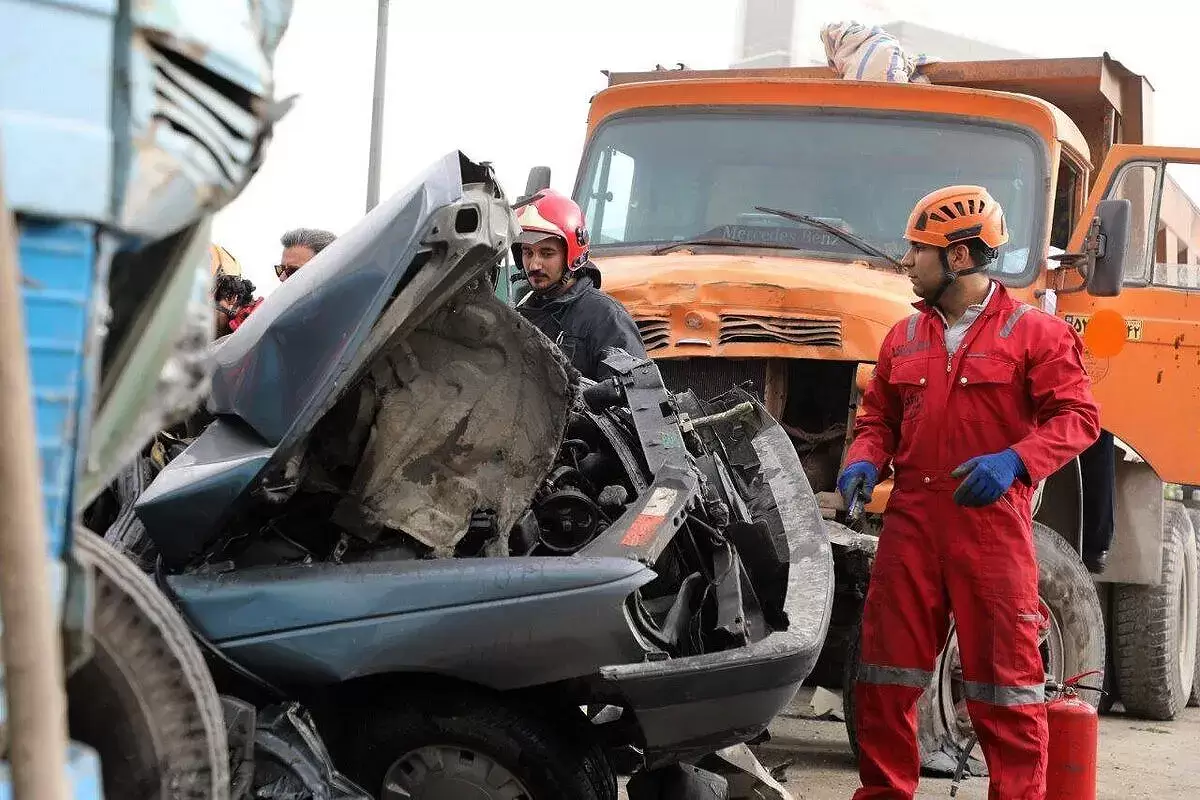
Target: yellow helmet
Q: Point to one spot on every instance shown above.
(222, 262)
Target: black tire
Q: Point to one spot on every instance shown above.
(145, 699)
(849, 677)
(126, 533)
(1194, 700)
(1067, 588)
(1152, 670)
(554, 758)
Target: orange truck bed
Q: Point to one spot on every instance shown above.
(1109, 103)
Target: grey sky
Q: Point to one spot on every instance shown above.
(510, 84)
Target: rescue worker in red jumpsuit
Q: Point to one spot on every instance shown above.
(975, 399)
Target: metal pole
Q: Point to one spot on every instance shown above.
(377, 106)
(33, 659)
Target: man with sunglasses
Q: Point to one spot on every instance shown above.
(299, 247)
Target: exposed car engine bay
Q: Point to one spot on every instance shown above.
(721, 577)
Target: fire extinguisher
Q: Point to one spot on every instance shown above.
(1074, 729)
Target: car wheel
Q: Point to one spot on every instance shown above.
(1155, 634)
(145, 700)
(463, 743)
(126, 532)
(1075, 645)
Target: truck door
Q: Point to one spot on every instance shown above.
(1149, 391)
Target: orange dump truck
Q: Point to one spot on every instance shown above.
(675, 167)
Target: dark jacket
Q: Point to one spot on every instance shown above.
(584, 321)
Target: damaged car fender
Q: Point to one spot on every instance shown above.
(498, 622)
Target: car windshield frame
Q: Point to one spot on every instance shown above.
(1037, 197)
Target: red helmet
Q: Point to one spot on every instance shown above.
(554, 214)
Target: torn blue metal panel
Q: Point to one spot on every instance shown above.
(221, 35)
(140, 118)
(55, 106)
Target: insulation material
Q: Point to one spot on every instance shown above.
(861, 53)
(473, 405)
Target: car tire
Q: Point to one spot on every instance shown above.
(1076, 645)
(126, 533)
(1156, 627)
(458, 734)
(145, 700)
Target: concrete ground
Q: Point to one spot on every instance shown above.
(1138, 759)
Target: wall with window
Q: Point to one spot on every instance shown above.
(1177, 243)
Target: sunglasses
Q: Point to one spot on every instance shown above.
(284, 271)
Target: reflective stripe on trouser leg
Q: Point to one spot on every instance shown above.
(905, 621)
(995, 695)
(994, 596)
(881, 675)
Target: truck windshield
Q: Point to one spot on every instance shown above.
(655, 178)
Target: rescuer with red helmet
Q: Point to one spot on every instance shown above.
(566, 303)
(975, 399)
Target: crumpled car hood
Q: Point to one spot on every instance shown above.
(471, 411)
(395, 318)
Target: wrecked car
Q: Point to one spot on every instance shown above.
(483, 574)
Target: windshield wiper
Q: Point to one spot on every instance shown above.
(719, 241)
(848, 238)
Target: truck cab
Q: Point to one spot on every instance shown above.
(681, 176)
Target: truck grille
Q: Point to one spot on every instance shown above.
(655, 331)
(710, 377)
(810, 331)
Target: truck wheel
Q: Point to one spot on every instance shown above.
(1155, 634)
(1194, 700)
(1075, 645)
(145, 699)
(463, 743)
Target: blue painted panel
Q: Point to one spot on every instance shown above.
(55, 106)
(58, 264)
(84, 769)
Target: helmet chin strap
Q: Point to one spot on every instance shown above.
(949, 276)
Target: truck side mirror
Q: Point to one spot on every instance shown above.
(1107, 246)
(539, 178)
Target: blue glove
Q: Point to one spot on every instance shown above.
(988, 477)
(861, 476)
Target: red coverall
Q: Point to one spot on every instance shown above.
(1017, 381)
(246, 311)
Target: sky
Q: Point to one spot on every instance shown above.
(510, 84)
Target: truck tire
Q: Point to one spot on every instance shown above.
(1194, 700)
(1075, 645)
(1155, 627)
(145, 699)
(449, 741)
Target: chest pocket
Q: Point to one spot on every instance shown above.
(988, 389)
(911, 379)
(573, 348)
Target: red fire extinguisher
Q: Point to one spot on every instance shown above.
(1074, 730)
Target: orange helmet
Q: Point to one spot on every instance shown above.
(956, 214)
